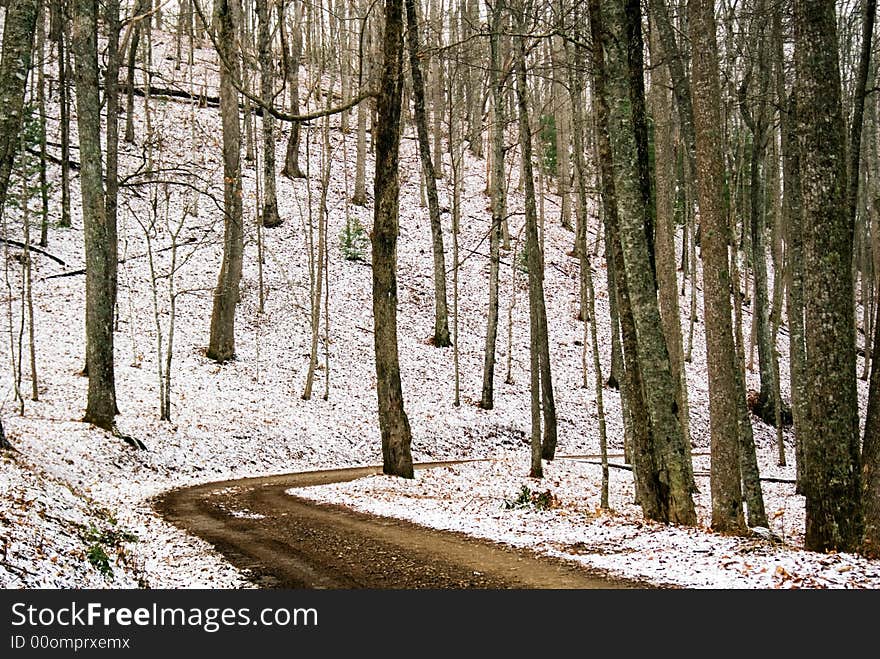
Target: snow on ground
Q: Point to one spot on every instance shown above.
(69, 487)
(560, 516)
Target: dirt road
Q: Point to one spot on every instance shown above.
(281, 541)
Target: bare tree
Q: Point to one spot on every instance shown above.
(727, 503)
(100, 243)
(269, 216)
(291, 66)
(498, 194)
(832, 467)
(665, 475)
(441, 313)
(18, 43)
(667, 279)
(393, 422)
(221, 346)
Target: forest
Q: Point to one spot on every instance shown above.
(622, 258)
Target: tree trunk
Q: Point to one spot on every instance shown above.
(671, 479)
(292, 57)
(727, 509)
(871, 458)
(344, 16)
(41, 103)
(667, 279)
(562, 114)
(575, 89)
(676, 65)
(535, 257)
(269, 216)
(437, 91)
(140, 7)
(499, 201)
(63, 41)
(637, 441)
(393, 422)
(548, 404)
(317, 256)
(869, 12)
(474, 89)
(18, 43)
(221, 346)
(871, 444)
(441, 313)
(793, 226)
(4, 442)
(99, 236)
(832, 467)
(359, 197)
(111, 92)
(753, 103)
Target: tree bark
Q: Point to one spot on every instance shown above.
(670, 476)
(359, 196)
(18, 44)
(5, 445)
(111, 93)
(41, 103)
(441, 312)
(753, 102)
(474, 89)
(667, 279)
(832, 470)
(393, 422)
(292, 58)
(140, 7)
(676, 65)
(437, 91)
(870, 545)
(869, 12)
(63, 40)
(871, 443)
(534, 254)
(269, 216)
(535, 260)
(562, 114)
(99, 244)
(221, 346)
(727, 508)
(793, 226)
(499, 200)
(575, 89)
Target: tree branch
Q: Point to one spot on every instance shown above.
(254, 98)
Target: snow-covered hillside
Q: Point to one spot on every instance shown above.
(69, 487)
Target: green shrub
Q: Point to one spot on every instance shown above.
(99, 541)
(353, 241)
(528, 499)
(98, 557)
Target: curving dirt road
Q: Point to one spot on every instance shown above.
(281, 541)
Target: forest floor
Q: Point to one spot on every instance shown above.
(76, 503)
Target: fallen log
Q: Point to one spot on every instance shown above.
(169, 92)
(21, 245)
